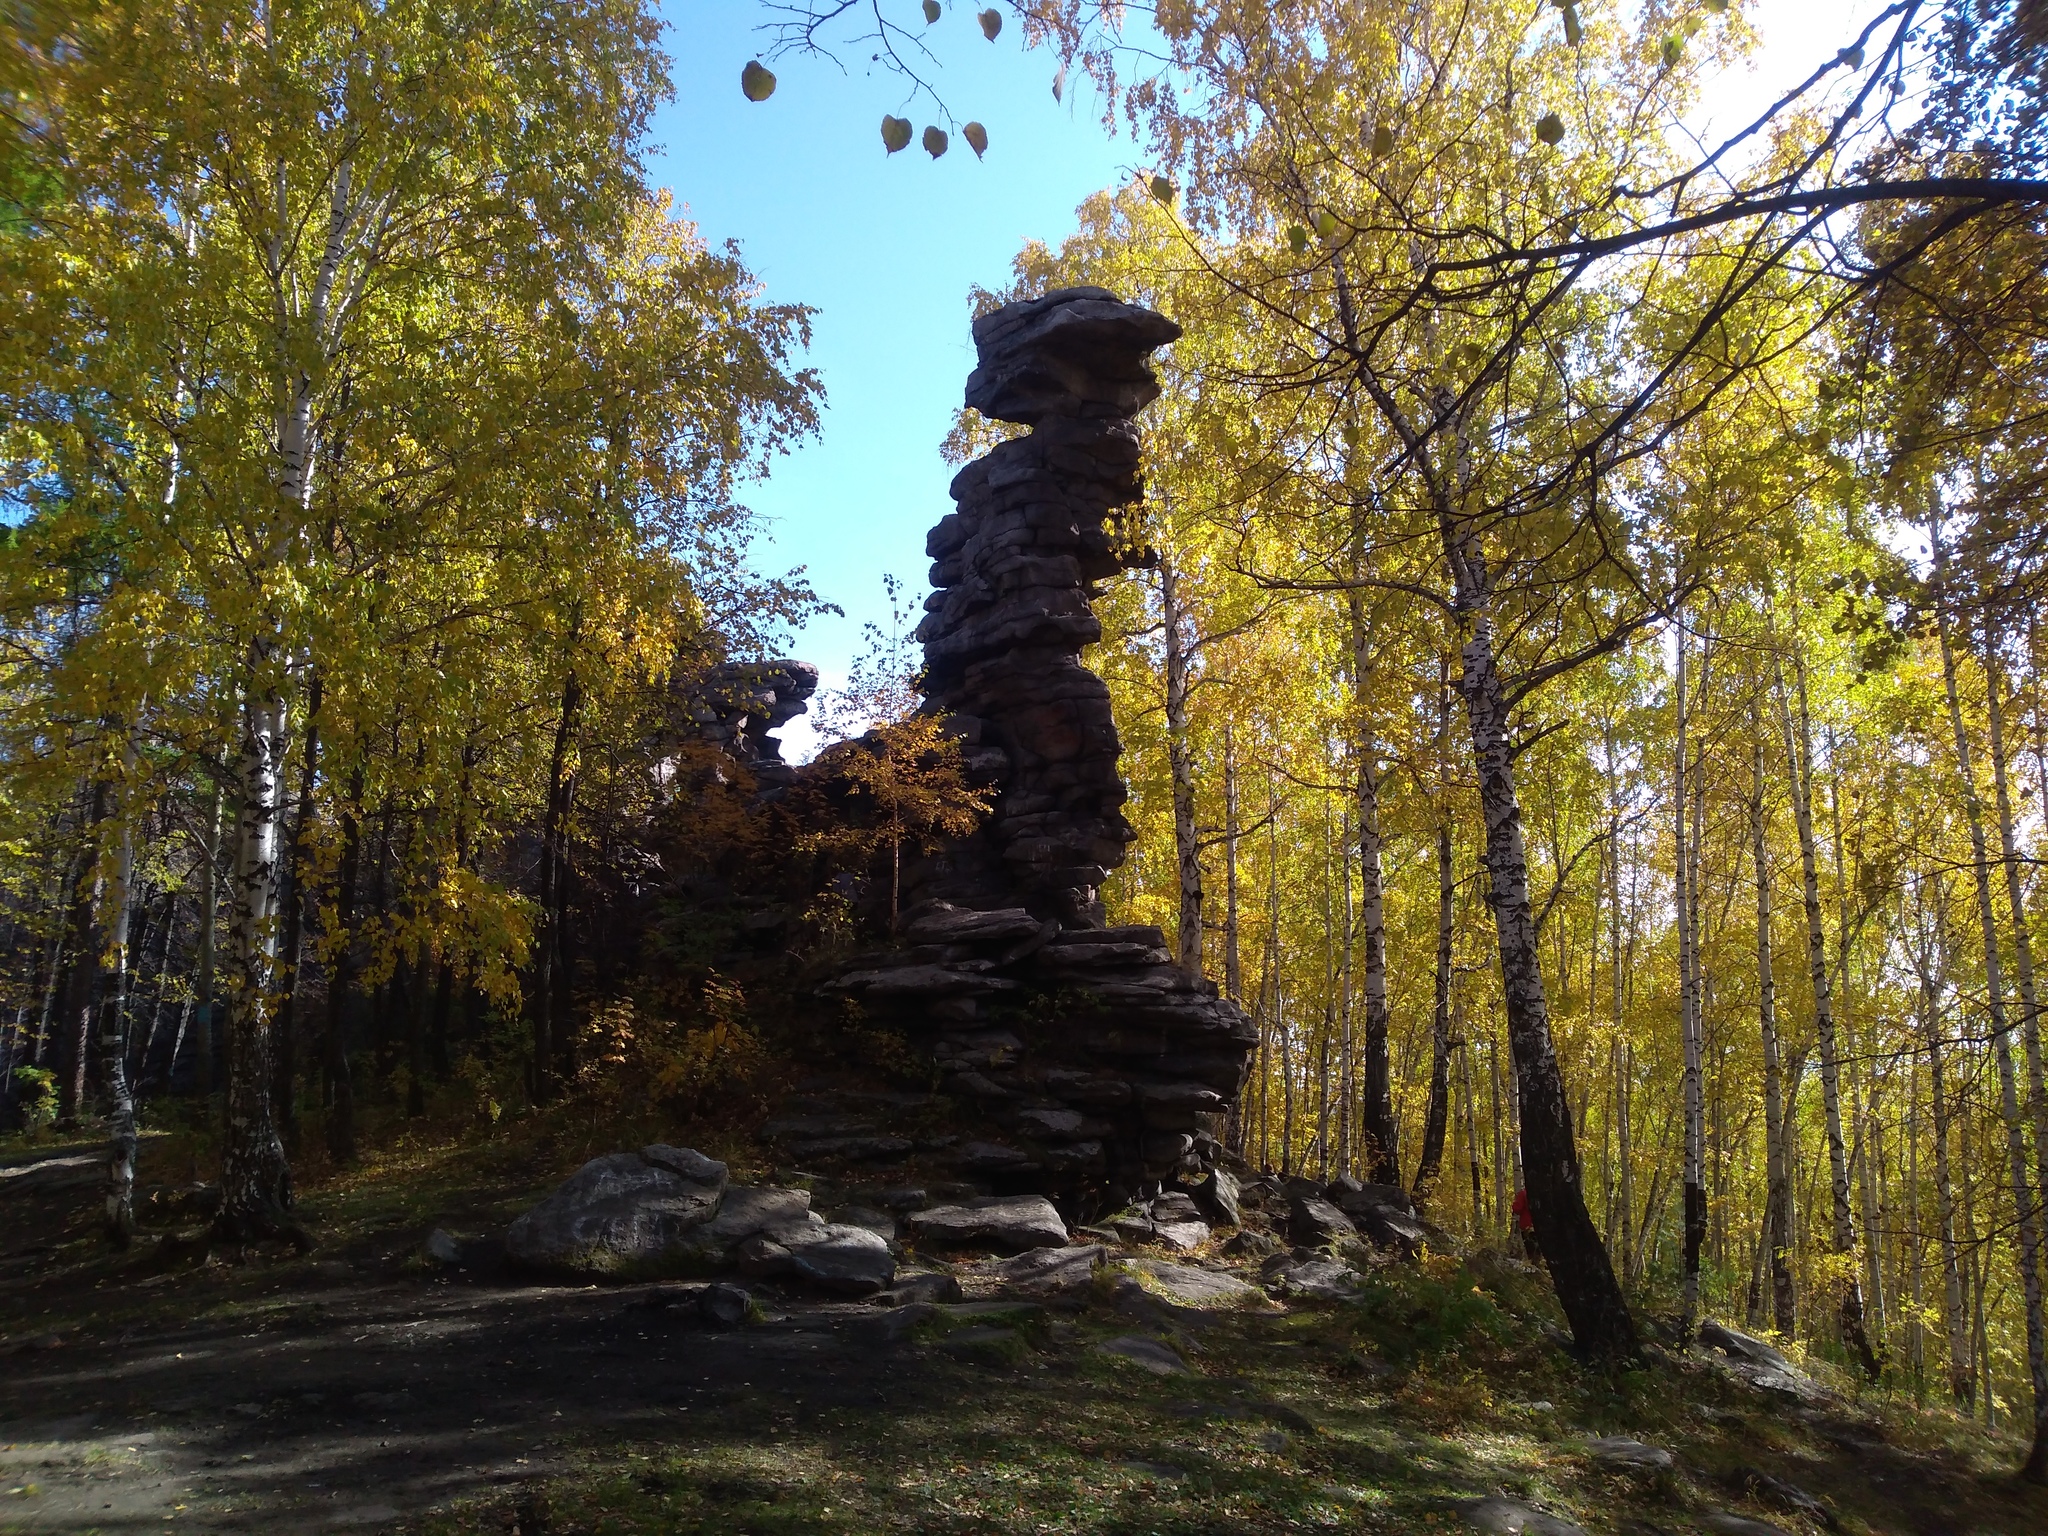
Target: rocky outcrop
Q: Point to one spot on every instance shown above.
(1106, 1067)
(735, 705)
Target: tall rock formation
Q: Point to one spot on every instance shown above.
(1106, 1067)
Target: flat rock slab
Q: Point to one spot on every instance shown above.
(1323, 1279)
(1617, 1453)
(1160, 1359)
(1511, 1517)
(1042, 1271)
(1724, 1523)
(1187, 1286)
(850, 1260)
(1016, 1223)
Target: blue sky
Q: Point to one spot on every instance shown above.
(886, 248)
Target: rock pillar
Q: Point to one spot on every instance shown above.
(1101, 1067)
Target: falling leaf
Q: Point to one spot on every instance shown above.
(757, 83)
(1163, 189)
(895, 132)
(931, 11)
(1673, 46)
(991, 23)
(934, 142)
(1325, 223)
(1851, 56)
(1574, 34)
(1550, 128)
(1717, 6)
(1382, 140)
(977, 139)
(1297, 239)
(1059, 82)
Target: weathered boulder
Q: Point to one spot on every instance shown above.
(850, 1260)
(629, 1215)
(1313, 1222)
(1511, 1517)
(1322, 1279)
(1187, 1286)
(1015, 1222)
(1161, 1359)
(1217, 1198)
(1384, 1215)
(1045, 1271)
(724, 1306)
(1617, 1453)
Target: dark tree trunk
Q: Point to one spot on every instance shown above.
(548, 1030)
(291, 951)
(341, 1100)
(1437, 1119)
(1571, 1244)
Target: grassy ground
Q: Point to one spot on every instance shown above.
(573, 1412)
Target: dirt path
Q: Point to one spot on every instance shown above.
(357, 1404)
(364, 1390)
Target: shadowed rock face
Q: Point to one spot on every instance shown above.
(1015, 568)
(738, 703)
(1105, 1067)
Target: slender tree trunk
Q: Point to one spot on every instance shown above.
(1916, 1344)
(1689, 1026)
(1472, 1159)
(255, 1179)
(205, 1053)
(341, 971)
(546, 1046)
(1571, 1244)
(116, 915)
(1233, 957)
(284, 1092)
(1379, 1138)
(2028, 1215)
(83, 943)
(2030, 1020)
(1778, 1175)
(1436, 1121)
(1181, 759)
(1799, 744)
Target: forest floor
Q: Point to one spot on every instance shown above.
(364, 1388)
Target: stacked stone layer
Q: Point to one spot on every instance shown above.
(1107, 1067)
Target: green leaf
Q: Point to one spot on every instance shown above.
(1550, 129)
(934, 142)
(895, 133)
(1382, 140)
(1163, 189)
(1297, 239)
(931, 11)
(1717, 6)
(1672, 47)
(991, 23)
(756, 83)
(977, 139)
(1325, 223)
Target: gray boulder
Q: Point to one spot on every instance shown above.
(1159, 1358)
(1014, 1222)
(1046, 1271)
(850, 1260)
(1322, 1279)
(1511, 1517)
(630, 1214)
(724, 1306)
(1217, 1198)
(1616, 1453)
(1205, 1289)
(1314, 1222)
